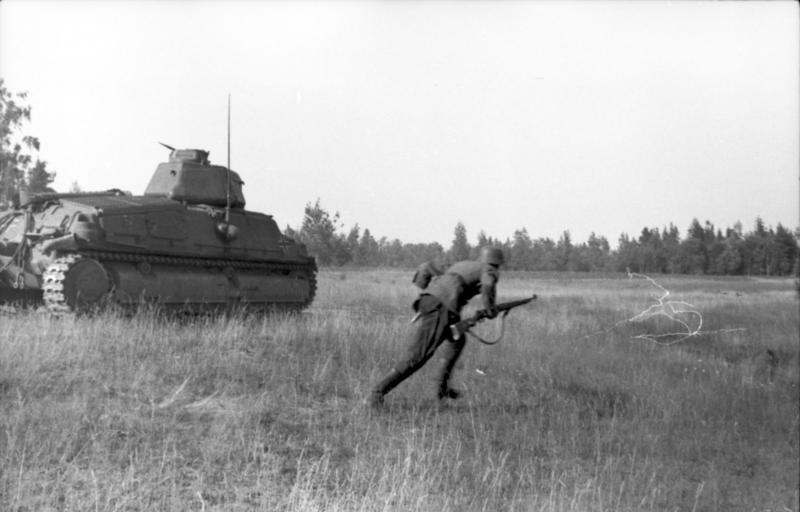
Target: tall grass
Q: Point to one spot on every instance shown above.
(568, 412)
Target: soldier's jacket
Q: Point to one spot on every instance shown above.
(462, 281)
(424, 274)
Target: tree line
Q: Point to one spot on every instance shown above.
(704, 250)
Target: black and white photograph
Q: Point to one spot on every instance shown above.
(400, 255)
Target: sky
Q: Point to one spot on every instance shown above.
(407, 117)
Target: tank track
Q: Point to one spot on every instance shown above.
(309, 267)
(53, 277)
(53, 284)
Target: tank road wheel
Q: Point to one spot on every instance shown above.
(75, 284)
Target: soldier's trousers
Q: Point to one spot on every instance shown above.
(433, 330)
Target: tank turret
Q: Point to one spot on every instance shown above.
(188, 176)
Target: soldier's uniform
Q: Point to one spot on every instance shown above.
(425, 273)
(439, 306)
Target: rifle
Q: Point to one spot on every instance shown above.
(459, 329)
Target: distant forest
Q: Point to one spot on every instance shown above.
(705, 249)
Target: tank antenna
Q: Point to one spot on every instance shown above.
(228, 174)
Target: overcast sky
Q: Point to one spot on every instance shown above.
(408, 116)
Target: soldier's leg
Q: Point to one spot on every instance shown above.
(426, 339)
(388, 383)
(450, 352)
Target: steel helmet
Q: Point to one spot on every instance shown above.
(492, 256)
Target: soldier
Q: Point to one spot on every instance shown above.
(439, 306)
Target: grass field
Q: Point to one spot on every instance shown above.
(570, 411)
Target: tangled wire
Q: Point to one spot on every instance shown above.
(680, 313)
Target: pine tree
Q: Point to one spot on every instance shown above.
(319, 233)
(460, 250)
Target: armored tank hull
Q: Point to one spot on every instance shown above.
(187, 244)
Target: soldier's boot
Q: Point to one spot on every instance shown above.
(448, 392)
(450, 353)
(388, 383)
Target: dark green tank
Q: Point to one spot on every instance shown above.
(187, 244)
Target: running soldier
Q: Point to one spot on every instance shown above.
(439, 306)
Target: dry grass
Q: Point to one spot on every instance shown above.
(568, 412)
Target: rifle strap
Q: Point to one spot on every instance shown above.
(499, 336)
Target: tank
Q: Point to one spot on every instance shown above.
(188, 244)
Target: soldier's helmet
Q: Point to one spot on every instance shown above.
(492, 256)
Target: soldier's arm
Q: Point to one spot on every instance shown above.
(489, 278)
